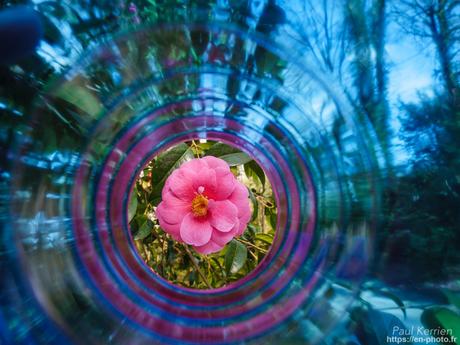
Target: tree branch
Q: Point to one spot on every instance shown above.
(192, 258)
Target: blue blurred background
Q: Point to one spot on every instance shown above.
(384, 153)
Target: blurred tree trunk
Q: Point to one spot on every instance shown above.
(367, 35)
(440, 28)
(438, 20)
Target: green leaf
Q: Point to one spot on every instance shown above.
(132, 207)
(192, 277)
(168, 161)
(453, 297)
(140, 219)
(236, 158)
(228, 153)
(220, 149)
(171, 252)
(436, 317)
(273, 220)
(255, 205)
(144, 231)
(265, 238)
(250, 232)
(252, 169)
(165, 165)
(235, 257)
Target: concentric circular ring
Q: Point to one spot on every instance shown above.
(142, 93)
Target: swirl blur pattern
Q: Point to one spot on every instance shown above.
(71, 271)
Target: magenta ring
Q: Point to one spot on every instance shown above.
(181, 303)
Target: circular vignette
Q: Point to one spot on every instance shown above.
(276, 131)
(145, 191)
(118, 207)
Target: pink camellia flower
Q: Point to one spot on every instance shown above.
(204, 205)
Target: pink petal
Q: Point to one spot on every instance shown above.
(241, 228)
(195, 231)
(188, 174)
(224, 215)
(226, 182)
(173, 201)
(243, 220)
(194, 165)
(206, 178)
(171, 229)
(214, 163)
(181, 186)
(222, 238)
(245, 215)
(190, 171)
(171, 211)
(240, 198)
(165, 189)
(208, 248)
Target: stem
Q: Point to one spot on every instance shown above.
(251, 245)
(253, 255)
(141, 249)
(163, 256)
(222, 271)
(197, 267)
(197, 148)
(261, 216)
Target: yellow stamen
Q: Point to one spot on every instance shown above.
(200, 205)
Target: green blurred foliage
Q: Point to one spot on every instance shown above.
(179, 263)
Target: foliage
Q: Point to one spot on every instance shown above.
(420, 236)
(179, 263)
(381, 311)
(423, 222)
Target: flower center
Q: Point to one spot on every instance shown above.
(200, 205)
